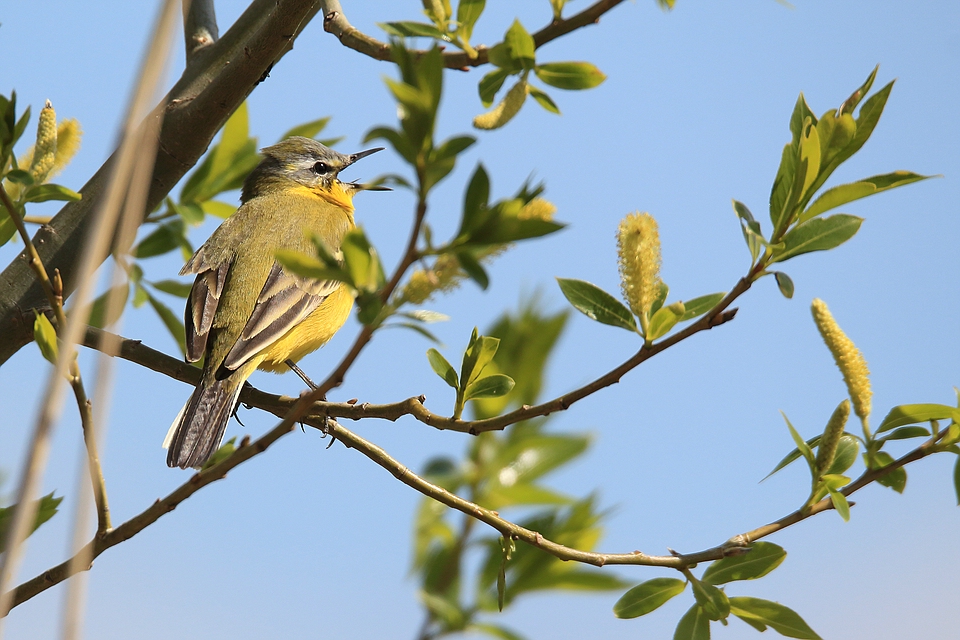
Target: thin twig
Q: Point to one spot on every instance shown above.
(246, 451)
(199, 26)
(336, 23)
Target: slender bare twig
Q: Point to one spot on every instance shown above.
(199, 26)
(336, 23)
(26, 510)
(248, 450)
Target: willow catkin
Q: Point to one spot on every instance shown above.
(638, 247)
(849, 360)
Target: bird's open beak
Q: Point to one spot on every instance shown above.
(361, 154)
(360, 186)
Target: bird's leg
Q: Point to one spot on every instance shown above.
(297, 370)
(236, 407)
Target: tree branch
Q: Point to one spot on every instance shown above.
(221, 76)
(336, 23)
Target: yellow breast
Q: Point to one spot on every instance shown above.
(311, 334)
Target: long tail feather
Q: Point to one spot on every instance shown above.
(199, 427)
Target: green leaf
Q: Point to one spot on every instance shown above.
(502, 228)
(785, 283)
(191, 213)
(479, 353)
(173, 287)
(472, 267)
(699, 306)
(802, 446)
(452, 147)
(840, 503)
(793, 455)
(46, 508)
(842, 194)
(494, 630)
(98, 310)
(956, 479)
(712, 600)
(647, 596)
(904, 433)
(19, 176)
(442, 368)
(309, 267)
(362, 261)
(664, 319)
(520, 45)
(694, 625)
(490, 84)
(46, 337)
(597, 304)
(45, 192)
(171, 321)
(499, 496)
(233, 142)
(163, 239)
(399, 141)
(905, 414)
(408, 29)
(818, 234)
(307, 129)
(846, 455)
(896, 479)
(773, 614)
(475, 201)
(570, 75)
(414, 327)
(218, 209)
(468, 12)
(533, 457)
(489, 387)
(544, 100)
(224, 452)
(762, 558)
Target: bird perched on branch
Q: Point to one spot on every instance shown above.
(245, 311)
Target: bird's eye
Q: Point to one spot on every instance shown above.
(321, 167)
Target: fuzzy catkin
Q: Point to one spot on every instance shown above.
(45, 150)
(638, 246)
(848, 358)
(503, 112)
(830, 440)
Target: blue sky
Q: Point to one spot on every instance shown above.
(304, 542)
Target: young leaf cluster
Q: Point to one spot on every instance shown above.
(712, 603)
(816, 148)
(516, 56)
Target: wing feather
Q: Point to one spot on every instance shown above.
(202, 305)
(285, 300)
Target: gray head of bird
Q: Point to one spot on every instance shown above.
(306, 162)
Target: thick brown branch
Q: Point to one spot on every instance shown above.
(211, 88)
(336, 22)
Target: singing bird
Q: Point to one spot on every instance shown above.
(245, 311)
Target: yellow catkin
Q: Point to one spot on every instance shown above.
(503, 112)
(537, 209)
(45, 150)
(69, 135)
(638, 245)
(848, 358)
(830, 440)
(445, 275)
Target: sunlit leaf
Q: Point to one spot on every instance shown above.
(773, 614)
(905, 414)
(761, 559)
(570, 75)
(818, 234)
(597, 304)
(647, 596)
